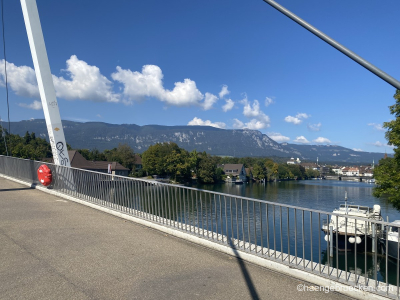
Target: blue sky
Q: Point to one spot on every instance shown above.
(230, 64)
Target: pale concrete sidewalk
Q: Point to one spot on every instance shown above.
(51, 248)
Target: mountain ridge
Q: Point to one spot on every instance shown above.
(215, 141)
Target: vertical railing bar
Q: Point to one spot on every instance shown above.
(248, 224)
(180, 219)
(319, 242)
(261, 229)
(143, 200)
(237, 223)
(255, 227)
(328, 241)
(163, 203)
(345, 247)
(295, 235)
(226, 221)
(173, 204)
(193, 214)
(220, 218)
(127, 183)
(386, 259)
(156, 203)
(126, 195)
(365, 252)
(116, 194)
(135, 192)
(216, 214)
(197, 212)
(170, 209)
(201, 214)
(153, 201)
(138, 198)
(135, 195)
(184, 208)
(148, 202)
(267, 221)
(273, 211)
(89, 187)
(211, 215)
(337, 247)
(288, 234)
(206, 208)
(159, 203)
(355, 251)
(243, 238)
(123, 196)
(178, 208)
(311, 242)
(230, 204)
(280, 229)
(303, 238)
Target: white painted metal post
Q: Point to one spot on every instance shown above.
(45, 83)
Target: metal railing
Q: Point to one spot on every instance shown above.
(301, 238)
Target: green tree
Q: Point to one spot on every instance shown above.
(387, 173)
(167, 159)
(272, 169)
(123, 154)
(207, 171)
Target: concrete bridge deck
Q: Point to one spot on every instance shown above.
(51, 248)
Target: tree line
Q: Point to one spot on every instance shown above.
(29, 146)
(162, 159)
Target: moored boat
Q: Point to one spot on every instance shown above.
(392, 237)
(351, 231)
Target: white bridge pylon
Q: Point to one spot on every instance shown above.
(45, 83)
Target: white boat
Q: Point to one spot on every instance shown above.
(392, 236)
(355, 230)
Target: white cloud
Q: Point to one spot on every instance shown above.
(277, 137)
(302, 116)
(260, 119)
(224, 91)
(99, 116)
(314, 127)
(301, 139)
(293, 120)
(252, 124)
(85, 83)
(228, 105)
(358, 150)
(238, 124)
(36, 105)
(148, 83)
(256, 124)
(21, 80)
(298, 119)
(200, 122)
(377, 126)
(322, 140)
(268, 101)
(379, 144)
(209, 101)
